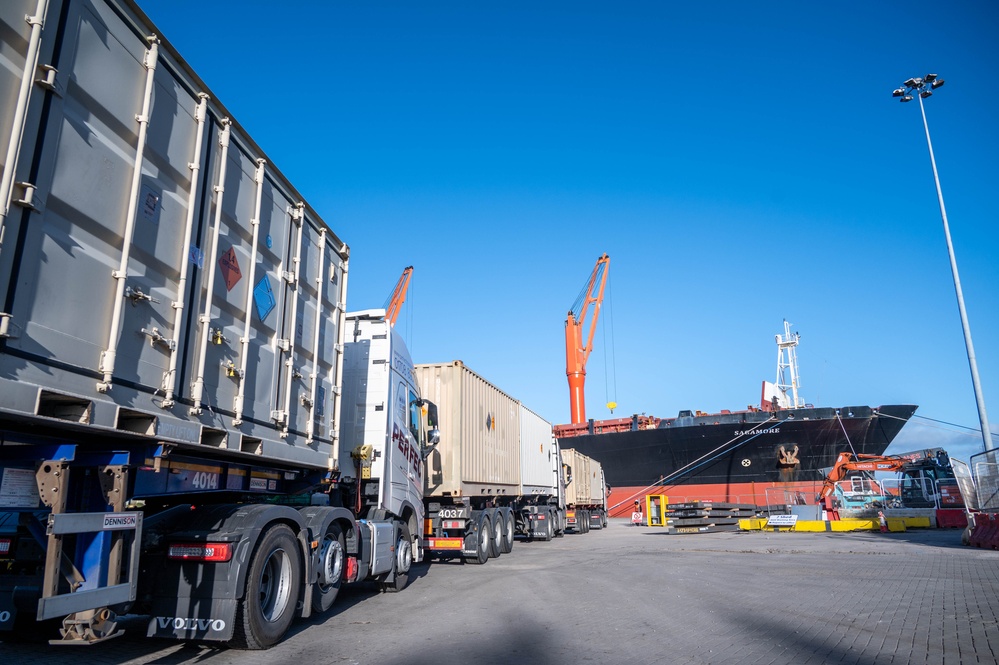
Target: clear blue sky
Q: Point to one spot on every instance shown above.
(741, 163)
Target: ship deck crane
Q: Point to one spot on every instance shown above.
(398, 296)
(576, 351)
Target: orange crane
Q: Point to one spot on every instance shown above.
(398, 296)
(576, 352)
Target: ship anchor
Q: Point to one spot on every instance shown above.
(787, 459)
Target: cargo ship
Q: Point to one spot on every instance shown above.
(767, 455)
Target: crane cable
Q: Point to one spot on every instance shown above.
(610, 377)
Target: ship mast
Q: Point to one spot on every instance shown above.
(787, 364)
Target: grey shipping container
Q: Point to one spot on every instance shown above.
(160, 277)
(537, 445)
(479, 451)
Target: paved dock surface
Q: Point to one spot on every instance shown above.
(636, 595)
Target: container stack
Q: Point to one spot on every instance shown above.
(706, 516)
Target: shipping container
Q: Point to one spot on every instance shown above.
(578, 477)
(479, 451)
(537, 446)
(160, 275)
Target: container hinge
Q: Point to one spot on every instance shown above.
(7, 328)
(48, 79)
(283, 344)
(307, 401)
(156, 338)
(288, 276)
(27, 199)
(278, 416)
(136, 296)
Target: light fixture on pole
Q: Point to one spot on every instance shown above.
(921, 88)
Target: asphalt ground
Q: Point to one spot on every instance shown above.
(637, 595)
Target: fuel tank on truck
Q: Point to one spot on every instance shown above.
(479, 450)
(159, 276)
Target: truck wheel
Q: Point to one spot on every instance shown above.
(403, 561)
(546, 534)
(496, 541)
(482, 537)
(272, 583)
(330, 565)
(506, 544)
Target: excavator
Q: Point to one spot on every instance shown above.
(918, 472)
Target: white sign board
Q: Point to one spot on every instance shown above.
(782, 520)
(18, 489)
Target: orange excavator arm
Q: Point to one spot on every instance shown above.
(846, 463)
(398, 296)
(576, 352)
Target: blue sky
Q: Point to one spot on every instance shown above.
(741, 163)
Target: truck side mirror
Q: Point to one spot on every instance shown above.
(434, 436)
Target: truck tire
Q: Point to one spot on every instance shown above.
(506, 543)
(496, 541)
(546, 532)
(331, 566)
(403, 561)
(267, 608)
(482, 538)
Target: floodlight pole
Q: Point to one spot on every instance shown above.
(975, 382)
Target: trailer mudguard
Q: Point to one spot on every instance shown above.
(194, 600)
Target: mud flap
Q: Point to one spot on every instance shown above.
(8, 612)
(193, 618)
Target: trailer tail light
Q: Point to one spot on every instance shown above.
(452, 524)
(5, 545)
(207, 552)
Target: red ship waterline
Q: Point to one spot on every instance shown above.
(770, 455)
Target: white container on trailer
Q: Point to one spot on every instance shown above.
(537, 446)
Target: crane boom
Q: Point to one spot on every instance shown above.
(576, 352)
(398, 296)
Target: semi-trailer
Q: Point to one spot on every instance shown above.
(172, 372)
(585, 492)
(496, 472)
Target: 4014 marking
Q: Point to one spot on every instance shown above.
(204, 480)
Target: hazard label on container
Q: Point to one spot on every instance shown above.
(263, 298)
(230, 269)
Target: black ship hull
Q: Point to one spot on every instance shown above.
(746, 457)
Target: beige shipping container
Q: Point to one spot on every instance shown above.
(597, 490)
(479, 451)
(577, 492)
